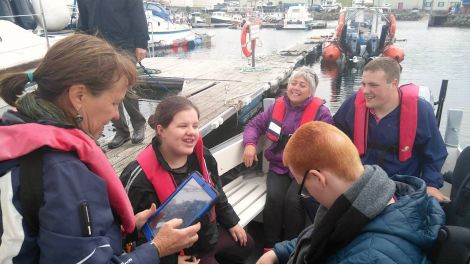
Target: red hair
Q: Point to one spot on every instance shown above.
(321, 146)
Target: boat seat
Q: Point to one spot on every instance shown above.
(453, 243)
(247, 192)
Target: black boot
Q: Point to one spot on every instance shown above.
(138, 134)
(117, 141)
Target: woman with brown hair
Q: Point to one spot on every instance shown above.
(60, 199)
(175, 152)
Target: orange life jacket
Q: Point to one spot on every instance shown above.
(277, 117)
(408, 121)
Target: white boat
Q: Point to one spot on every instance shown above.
(298, 17)
(331, 5)
(21, 49)
(163, 32)
(196, 20)
(361, 3)
(220, 17)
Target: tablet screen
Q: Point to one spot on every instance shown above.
(189, 203)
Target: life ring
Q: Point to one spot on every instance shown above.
(340, 26)
(393, 26)
(246, 46)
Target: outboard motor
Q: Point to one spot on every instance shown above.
(352, 44)
(372, 45)
(383, 36)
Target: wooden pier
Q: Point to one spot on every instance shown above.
(220, 88)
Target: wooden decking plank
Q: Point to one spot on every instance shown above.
(191, 87)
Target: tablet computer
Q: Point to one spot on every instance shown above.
(192, 199)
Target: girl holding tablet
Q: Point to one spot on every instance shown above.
(175, 152)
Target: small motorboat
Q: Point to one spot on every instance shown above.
(298, 17)
(164, 33)
(363, 33)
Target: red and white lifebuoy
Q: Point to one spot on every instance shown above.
(246, 45)
(339, 29)
(393, 26)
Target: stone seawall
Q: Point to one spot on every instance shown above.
(460, 20)
(403, 16)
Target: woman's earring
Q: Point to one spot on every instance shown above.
(78, 118)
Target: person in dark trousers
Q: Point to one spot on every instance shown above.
(365, 216)
(123, 24)
(283, 215)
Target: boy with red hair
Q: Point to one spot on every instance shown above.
(365, 216)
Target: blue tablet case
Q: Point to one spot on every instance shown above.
(192, 199)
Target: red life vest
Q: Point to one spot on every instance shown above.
(162, 180)
(408, 121)
(277, 117)
(21, 139)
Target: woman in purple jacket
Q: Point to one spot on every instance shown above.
(284, 216)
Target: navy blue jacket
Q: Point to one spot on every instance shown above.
(67, 183)
(400, 234)
(429, 151)
(121, 22)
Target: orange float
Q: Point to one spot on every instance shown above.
(246, 49)
(394, 52)
(393, 26)
(331, 53)
(339, 29)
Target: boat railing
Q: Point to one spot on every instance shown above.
(152, 47)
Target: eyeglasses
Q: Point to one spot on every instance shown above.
(304, 194)
(300, 193)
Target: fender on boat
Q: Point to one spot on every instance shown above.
(5, 10)
(331, 53)
(394, 52)
(246, 45)
(393, 26)
(56, 14)
(24, 8)
(340, 26)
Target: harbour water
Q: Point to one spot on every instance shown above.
(431, 54)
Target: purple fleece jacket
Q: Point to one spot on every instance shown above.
(260, 123)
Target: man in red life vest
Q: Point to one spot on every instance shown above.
(392, 127)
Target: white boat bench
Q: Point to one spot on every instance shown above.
(247, 192)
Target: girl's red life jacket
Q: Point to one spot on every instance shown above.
(408, 121)
(277, 117)
(162, 180)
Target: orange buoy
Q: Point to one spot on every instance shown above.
(339, 29)
(393, 26)
(394, 52)
(331, 53)
(246, 45)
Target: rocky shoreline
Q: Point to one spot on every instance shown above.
(403, 16)
(460, 20)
